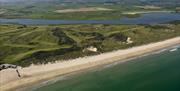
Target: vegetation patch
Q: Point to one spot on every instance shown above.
(27, 44)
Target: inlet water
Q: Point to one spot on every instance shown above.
(149, 18)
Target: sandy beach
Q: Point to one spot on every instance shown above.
(9, 80)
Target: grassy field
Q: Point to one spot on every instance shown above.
(23, 45)
(54, 10)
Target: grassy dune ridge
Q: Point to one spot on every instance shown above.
(23, 45)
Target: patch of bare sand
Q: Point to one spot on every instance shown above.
(149, 7)
(2, 11)
(83, 10)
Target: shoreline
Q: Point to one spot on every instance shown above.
(31, 75)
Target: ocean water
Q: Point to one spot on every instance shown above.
(157, 72)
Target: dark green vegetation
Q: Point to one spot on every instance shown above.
(175, 22)
(45, 9)
(23, 45)
(159, 72)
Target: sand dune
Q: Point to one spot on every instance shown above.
(39, 73)
(83, 10)
(2, 11)
(149, 7)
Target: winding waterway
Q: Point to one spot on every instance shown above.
(148, 18)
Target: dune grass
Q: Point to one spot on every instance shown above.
(24, 45)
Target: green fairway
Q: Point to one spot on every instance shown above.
(23, 45)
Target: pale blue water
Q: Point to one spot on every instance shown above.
(150, 18)
(157, 72)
